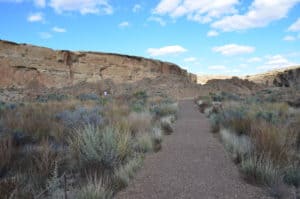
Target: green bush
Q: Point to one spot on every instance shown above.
(126, 172)
(96, 147)
(94, 189)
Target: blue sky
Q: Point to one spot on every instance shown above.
(230, 37)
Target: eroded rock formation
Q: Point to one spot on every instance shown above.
(23, 65)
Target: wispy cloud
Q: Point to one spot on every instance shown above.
(82, 6)
(295, 27)
(167, 50)
(275, 62)
(217, 67)
(200, 11)
(58, 29)
(233, 49)
(289, 38)
(260, 14)
(136, 8)
(190, 59)
(40, 3)
(124, 24)
(212, 33)
(254, 60)
(158, 20)
(45, 35)
(36, 17)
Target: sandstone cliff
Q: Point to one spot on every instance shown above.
(23, 65)
(285, 77)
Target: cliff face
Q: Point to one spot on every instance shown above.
(23, 65)
(288, 78)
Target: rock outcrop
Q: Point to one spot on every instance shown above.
(23, 65)
(288, 78)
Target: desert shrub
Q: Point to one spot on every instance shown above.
(230, 96)
(126, 172)
(273, 140)
(51, 97)
(80, 117)
(157, 138)
(144, 143)
(166, 124)
(139, 122)
(45, 159)
(165, 109)
(88, 96)
(98, 148)
(114, 112)
(6, 153)
(239, 146)
(236, 119)
(216, 97)
(260, 169)
(34, 120)
(94, 189)
(292, 175)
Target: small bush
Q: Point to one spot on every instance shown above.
(96, 148)
(88, 96)
(165, 110)
(126, 172)
(166, 124)
(144, 143)
(292, 175)
(260, 169)
(139, 122)
(157, 138)
(6, 153)
(80, 117)
(94, 189)
(239, 146)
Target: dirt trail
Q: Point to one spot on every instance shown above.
(192, 165)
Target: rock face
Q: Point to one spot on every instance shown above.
(23, 65)
(288, 78)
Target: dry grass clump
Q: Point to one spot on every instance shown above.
(95, 188)
(263, 140)
(139, 122)
(6, 154)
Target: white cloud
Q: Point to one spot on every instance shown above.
(45, 35)
(233, 49)
(217, 67)
(289, 38)
(202, 11)
(40, 3)
(82, 6)
(124, 24)
(254, 60)
(190, 59)
(295, 27)
(58, 29)
(275, 62)
(260, 14)
(158, 20)
(167, 50)
(212, 33)
(36, 17)
(136, 8)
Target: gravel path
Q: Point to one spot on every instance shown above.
(192, 165)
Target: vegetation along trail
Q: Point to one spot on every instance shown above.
(192, 164)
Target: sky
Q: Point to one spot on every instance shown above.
(226, 37)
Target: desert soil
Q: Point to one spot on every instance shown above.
(191, 164)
